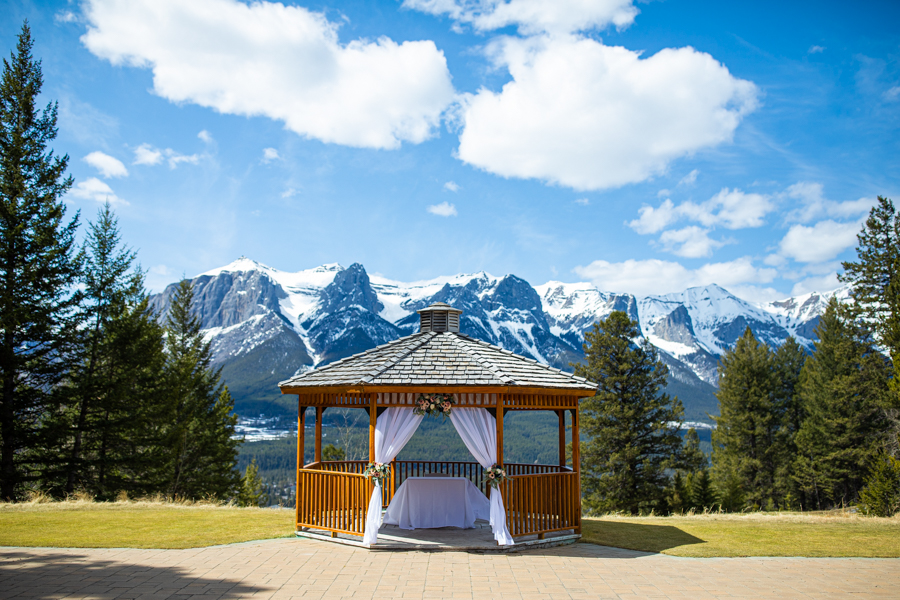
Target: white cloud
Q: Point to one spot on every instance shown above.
(96, 190)
(444, 209)
(690, 242)
(282, 62)
(690, 178)
(288, 193)
(145, 154)
(176, 159)
(532, 16)
(107, 165)
(646, 277)
(583, 201)
(451, 186)
(270, 154)
(732, 209)
(654, 220)
(892, 94)
(65, 16)
(205, 136)
(590, 117)
(816, 50)
(815, 206)
(823, 241)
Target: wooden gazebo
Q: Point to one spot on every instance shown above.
(333, 496)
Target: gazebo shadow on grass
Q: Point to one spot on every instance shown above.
(641, 537)
(39, 576)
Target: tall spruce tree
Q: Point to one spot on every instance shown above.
(630, 426)
(201, 451)
(875, 290)
(37, 275)
(789, 359)
(875, 275)
(117, 381)
(747, 446)
(843, 385)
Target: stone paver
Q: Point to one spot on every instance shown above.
(308, 569)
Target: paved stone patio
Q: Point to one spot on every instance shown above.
(303, 568)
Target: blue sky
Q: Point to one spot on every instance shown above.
(645, 147)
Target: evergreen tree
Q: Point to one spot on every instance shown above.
(746, 441)
(253, 490)
(703, 496)
(789, 360)
(843, 386)
(875, 276)
(116, 382)
(881, 495)
(199, 426)
(631, 427)
(37, 275)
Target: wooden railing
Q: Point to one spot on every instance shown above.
(332, 501)
(539, 504)
(539, 499)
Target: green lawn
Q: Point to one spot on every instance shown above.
(138, 525)
(757, 534)
(83, 524)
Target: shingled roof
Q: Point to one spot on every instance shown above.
(438, 359)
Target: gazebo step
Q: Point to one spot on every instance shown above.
(446, 539)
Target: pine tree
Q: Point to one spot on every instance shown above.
(116, 381)
(253, 490)
(843, 385)
(746, 442)
(875, 276)
(789, 359)
(37, 275)
(881, 495)
(631, 427)
(202, 451)
(703, 496)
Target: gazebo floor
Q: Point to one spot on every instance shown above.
(445, 539)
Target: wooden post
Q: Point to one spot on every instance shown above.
(576, 466)
(562, 437)
(373, 416)
(500, 429)
(301, 442)
(318, 454)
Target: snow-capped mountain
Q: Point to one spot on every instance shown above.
(265, 325)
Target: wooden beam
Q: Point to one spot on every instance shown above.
(373, 417)
(500, 430)
(318, 453)
(576, 466)
(301, 441)
(562, 437)
(436, 389)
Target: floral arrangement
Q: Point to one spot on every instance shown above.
(378, 472)
(434, 404)
(495, 476)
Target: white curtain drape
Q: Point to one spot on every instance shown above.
(393, 430)
(478, 430)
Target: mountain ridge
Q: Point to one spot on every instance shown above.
(264, 325)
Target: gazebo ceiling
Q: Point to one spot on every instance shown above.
(431, 359)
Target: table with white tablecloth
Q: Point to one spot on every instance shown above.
(429, 502)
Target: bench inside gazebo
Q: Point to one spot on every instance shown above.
(438, 370)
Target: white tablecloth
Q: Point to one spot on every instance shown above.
(428, 502)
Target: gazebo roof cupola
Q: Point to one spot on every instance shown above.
(439, 317)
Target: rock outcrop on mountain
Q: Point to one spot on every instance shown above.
(264, 325)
